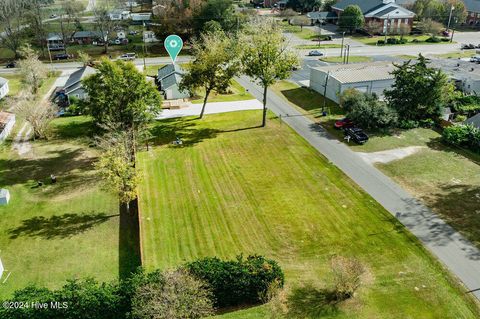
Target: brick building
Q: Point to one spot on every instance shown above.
(473, 11)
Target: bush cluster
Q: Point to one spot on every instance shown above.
(466, 136)
(190, 290)
(240, 281)
(433, 40)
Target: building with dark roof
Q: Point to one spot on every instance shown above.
(168, 79)
(386, 12)
(74, 86)
(473, 11)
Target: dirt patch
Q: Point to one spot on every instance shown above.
(389, 155)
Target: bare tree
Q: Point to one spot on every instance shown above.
(177, 295)
(374, 27)
(69, 16)
(12, 14)
(104, 25)
(33, 71)
(37, 114)
(347, 274)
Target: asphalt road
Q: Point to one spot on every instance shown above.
(460, 256)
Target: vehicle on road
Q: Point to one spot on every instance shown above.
(356, 134)
(315, 53)
(475, 59)
(343, 123)
(128, 57)
(61, 56)
(53, 16)
(468, 46)
(11, 65)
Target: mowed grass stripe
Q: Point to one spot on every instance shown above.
(265, 190)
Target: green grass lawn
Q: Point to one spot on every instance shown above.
(235, 188)
(14, 82)
(456, 55)
(58, 231)
(236, 92)
(303, 33)
(316, 46)
(152, 70)
(351, 59)
(420, 38)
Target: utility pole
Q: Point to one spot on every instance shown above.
(348, 53)
(343, 38)
(144, 49)
(386, 28)
(450, 17)
(325, 94)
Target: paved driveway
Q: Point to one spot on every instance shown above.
(456, 253)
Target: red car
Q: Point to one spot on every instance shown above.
(343, 123)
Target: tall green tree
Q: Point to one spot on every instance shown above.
(119, 93)
(12, 19)
(419, 91)
(266, 58)
(221, 11)
(351, 18)
(214, 65)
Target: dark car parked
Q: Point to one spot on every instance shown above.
(61, 56)
(11, 65)
(356, 134)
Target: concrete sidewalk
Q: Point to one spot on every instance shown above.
(211, 108)
(459, 255)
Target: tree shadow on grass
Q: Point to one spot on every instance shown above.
(59, 163)
(310, 101)
(62, 226)
(129, 240)
(311, 302)
(166, 131)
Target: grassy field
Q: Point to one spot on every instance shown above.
(420, 38)
(316, 46)
(235, 188)
(58, 231)
(303, 33)
(456, 55)
(236, 93)
(351, 59)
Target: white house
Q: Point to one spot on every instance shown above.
(141, 17)
(7, 121)
(149, 37)
(168, 79)
(4, 89)
(466, 75)
(117, 15)
(333, 80)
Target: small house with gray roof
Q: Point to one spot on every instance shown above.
(74, 86)
(386, 12)
(168, 80)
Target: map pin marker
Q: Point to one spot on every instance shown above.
(173, 44)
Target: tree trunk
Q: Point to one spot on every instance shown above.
(264, 117)
(207, 93)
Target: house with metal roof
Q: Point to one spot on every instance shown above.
(474, 120)
(4, 89)
(386, 12)
(331, 81)
(473, 11)
(168, 79)
(87, 37)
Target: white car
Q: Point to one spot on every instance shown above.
(128, 57)
(475, 58)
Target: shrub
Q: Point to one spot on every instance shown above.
(347, 274)
(367, 111)
(403, 41)
(433, 40)
(408, 124)
(415, 41)
(428, 123)
(392, 41)
(381, 42)
(174, 295)
(240, 281)
(445, 39)
(463, 135)
(460, 118)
